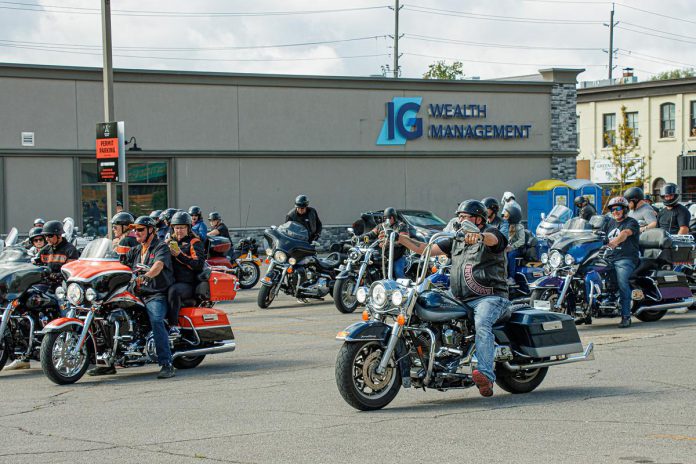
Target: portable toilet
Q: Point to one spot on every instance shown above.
(589, 190)
(543, 196)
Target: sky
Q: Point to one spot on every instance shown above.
(493, 38)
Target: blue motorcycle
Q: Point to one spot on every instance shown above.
(582, 282)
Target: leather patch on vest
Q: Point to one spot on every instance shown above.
(472, 284)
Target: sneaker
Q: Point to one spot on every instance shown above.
(483, 383)
(102, 370)
(18, 364)
(625, 323)
(511, 282)
(167, 372)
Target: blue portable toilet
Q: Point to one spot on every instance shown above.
(543, 196)
(589, 190)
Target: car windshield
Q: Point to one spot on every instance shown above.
(423, 219)
(13, 255)
(559, 215)
(100, 248)
(294, 230)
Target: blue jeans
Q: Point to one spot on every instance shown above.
(400, 268)
(512, 262)
(624, 268)
(487, 311)
(157, 312)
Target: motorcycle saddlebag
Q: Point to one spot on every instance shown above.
(542, 334)
(222, 286)
(210, 324)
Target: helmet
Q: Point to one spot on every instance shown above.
(634, 194)
(119, 203)
(618, 201)
(301, 201)
(181, 219)
(389, 213)
(507, 196)
(492, 204)
(167, 214)
(122, 219)
(146, 221)
(35, 232)
(579, 201)
(514, 214)
(194, 210)
(156, 214)
(215, 216)
(670, 189)
(473, 208)
(52, 228)
(39, 221)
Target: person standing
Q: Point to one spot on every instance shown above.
(307, 216)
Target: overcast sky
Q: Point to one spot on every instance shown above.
(493, 38)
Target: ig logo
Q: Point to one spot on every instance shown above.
(401, 123)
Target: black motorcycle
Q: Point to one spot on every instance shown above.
(363, 266)
(294, 267)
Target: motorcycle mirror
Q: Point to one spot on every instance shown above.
(11, 237)
(350, 230)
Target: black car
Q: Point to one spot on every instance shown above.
(421, 224)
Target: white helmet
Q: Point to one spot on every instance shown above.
(507, 196)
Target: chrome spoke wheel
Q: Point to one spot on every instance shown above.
(367, 381)
(64, 361)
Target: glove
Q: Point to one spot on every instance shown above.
(141, 281)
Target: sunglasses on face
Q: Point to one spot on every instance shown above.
(38, 239)
(617, 208)
(50, 235)
(140, 229)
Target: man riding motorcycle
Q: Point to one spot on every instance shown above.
(674, 217)
(493, 207)
(188, 260)
(391, 223)
(217, 227)
(584, 208)
(477, 279)
(122, 241)
(57, 251)
(641, 210)
(305, 215)
(38, 222)
(199, 228)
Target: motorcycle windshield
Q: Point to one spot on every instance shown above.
(17, 279)
(11, 238)
(101, 249)
(294, 231)
(558, 216)
(14, 255)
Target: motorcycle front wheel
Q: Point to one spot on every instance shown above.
(249, 275)
(4, 351)
(357, 380)
(344, 299)
(546, 294)
(57, 362)
(519, 382)
(266, 296)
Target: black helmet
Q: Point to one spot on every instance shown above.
(194, 210)
(514, 213)
(670, 189)
(473, 208)
(39, 221)
(389, 213)
(52, 228)
(492, 204)
(35, 232)
(122, 219)
(156, 214)
(579, 201)
(215, 216)
(167, 214)
(181, 219)
(119, 203)
(301, 201)
(634, 194)
(146, 221)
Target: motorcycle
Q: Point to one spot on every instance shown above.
(582, 282)
(29, 303)
(111, 324)
(363, 266)
(293, 266)
(243, 259)
(414, 334)
(550, 225)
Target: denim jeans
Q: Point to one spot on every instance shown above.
(512, 262)
(624, 268)
(157, 312)
(400, 268)
(487, 311)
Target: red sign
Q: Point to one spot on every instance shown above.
(107, 148)
(110, 152)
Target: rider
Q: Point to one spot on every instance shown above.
(585, 209)
(391, 223)
(674, 217)
(641, 210)
(122, 241)
(477, 279)
(622, 232)
(305, 215)
(36, 240)
(217, 227)
(163, 229)
(57, 251)
(188, 261)
(38, 222)
(516, 237)
(493, 207)
(509, 197)
(152, 288)
(199, 228)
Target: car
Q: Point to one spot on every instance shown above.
(421, 224)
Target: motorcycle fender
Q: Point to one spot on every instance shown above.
(344, 274)
(271, 277)
(366, 331)
(547, 282)
(57, 325)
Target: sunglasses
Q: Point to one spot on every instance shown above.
(37, 239)
(617, 208)
(140, 229)
(50, 235)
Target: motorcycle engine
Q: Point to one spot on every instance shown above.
(125, 324)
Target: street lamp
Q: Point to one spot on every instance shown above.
(135, 146)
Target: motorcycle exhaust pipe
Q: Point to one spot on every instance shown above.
(681, 304)
(227, 345)
(587, 355)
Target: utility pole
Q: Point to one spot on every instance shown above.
(396, 38)
(108, 78)
(611, 42)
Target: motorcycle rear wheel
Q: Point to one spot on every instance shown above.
(265, 297)
(343, 296)
(651, 316)
(187, 362)
(54, 362)
(4, 352)
(354, 361)
(249, 275)
(519, 382)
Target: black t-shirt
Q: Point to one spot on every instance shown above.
(496, 222)
(446, 244)
(587, 211)
(629, 247)
(157, 251)
(222, 229)
(672, 219)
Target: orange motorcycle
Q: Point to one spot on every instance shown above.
(243, 260)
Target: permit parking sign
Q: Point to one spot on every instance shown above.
(111, 151)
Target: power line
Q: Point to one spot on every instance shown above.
(656, 14)
(494, 45)
(517, 19)
(655, 35)
(505, 62)
(660, 31)
(654, 59)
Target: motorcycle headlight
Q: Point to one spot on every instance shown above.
(378, 295)
(292, 261)
(60, 293)
(569, 260)
(75, 294)
(397, 298)
(354, 255)
(280, 256)
(555, 259)
(443, 259)
(90, 295)
(544, 258)
(361, 295)
(269, 251)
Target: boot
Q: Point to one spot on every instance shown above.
(18, 364)
(101, 370)
(167, 372)
(625, 322)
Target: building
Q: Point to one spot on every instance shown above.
(663, 116)
(246, 145)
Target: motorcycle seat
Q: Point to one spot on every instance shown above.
(330, 262)
(646, 266)
(443, 315)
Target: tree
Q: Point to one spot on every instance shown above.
(442, 70)
(629, 167)
(674, 74)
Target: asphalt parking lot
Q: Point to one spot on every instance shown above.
(275, 400)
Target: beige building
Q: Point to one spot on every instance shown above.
(663, 115)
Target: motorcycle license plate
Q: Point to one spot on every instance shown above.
(541, 304)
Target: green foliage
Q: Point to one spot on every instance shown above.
(629, 166)
(442, 70)
(674, 74)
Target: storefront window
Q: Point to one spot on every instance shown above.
(609, 130)
(666, 120)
